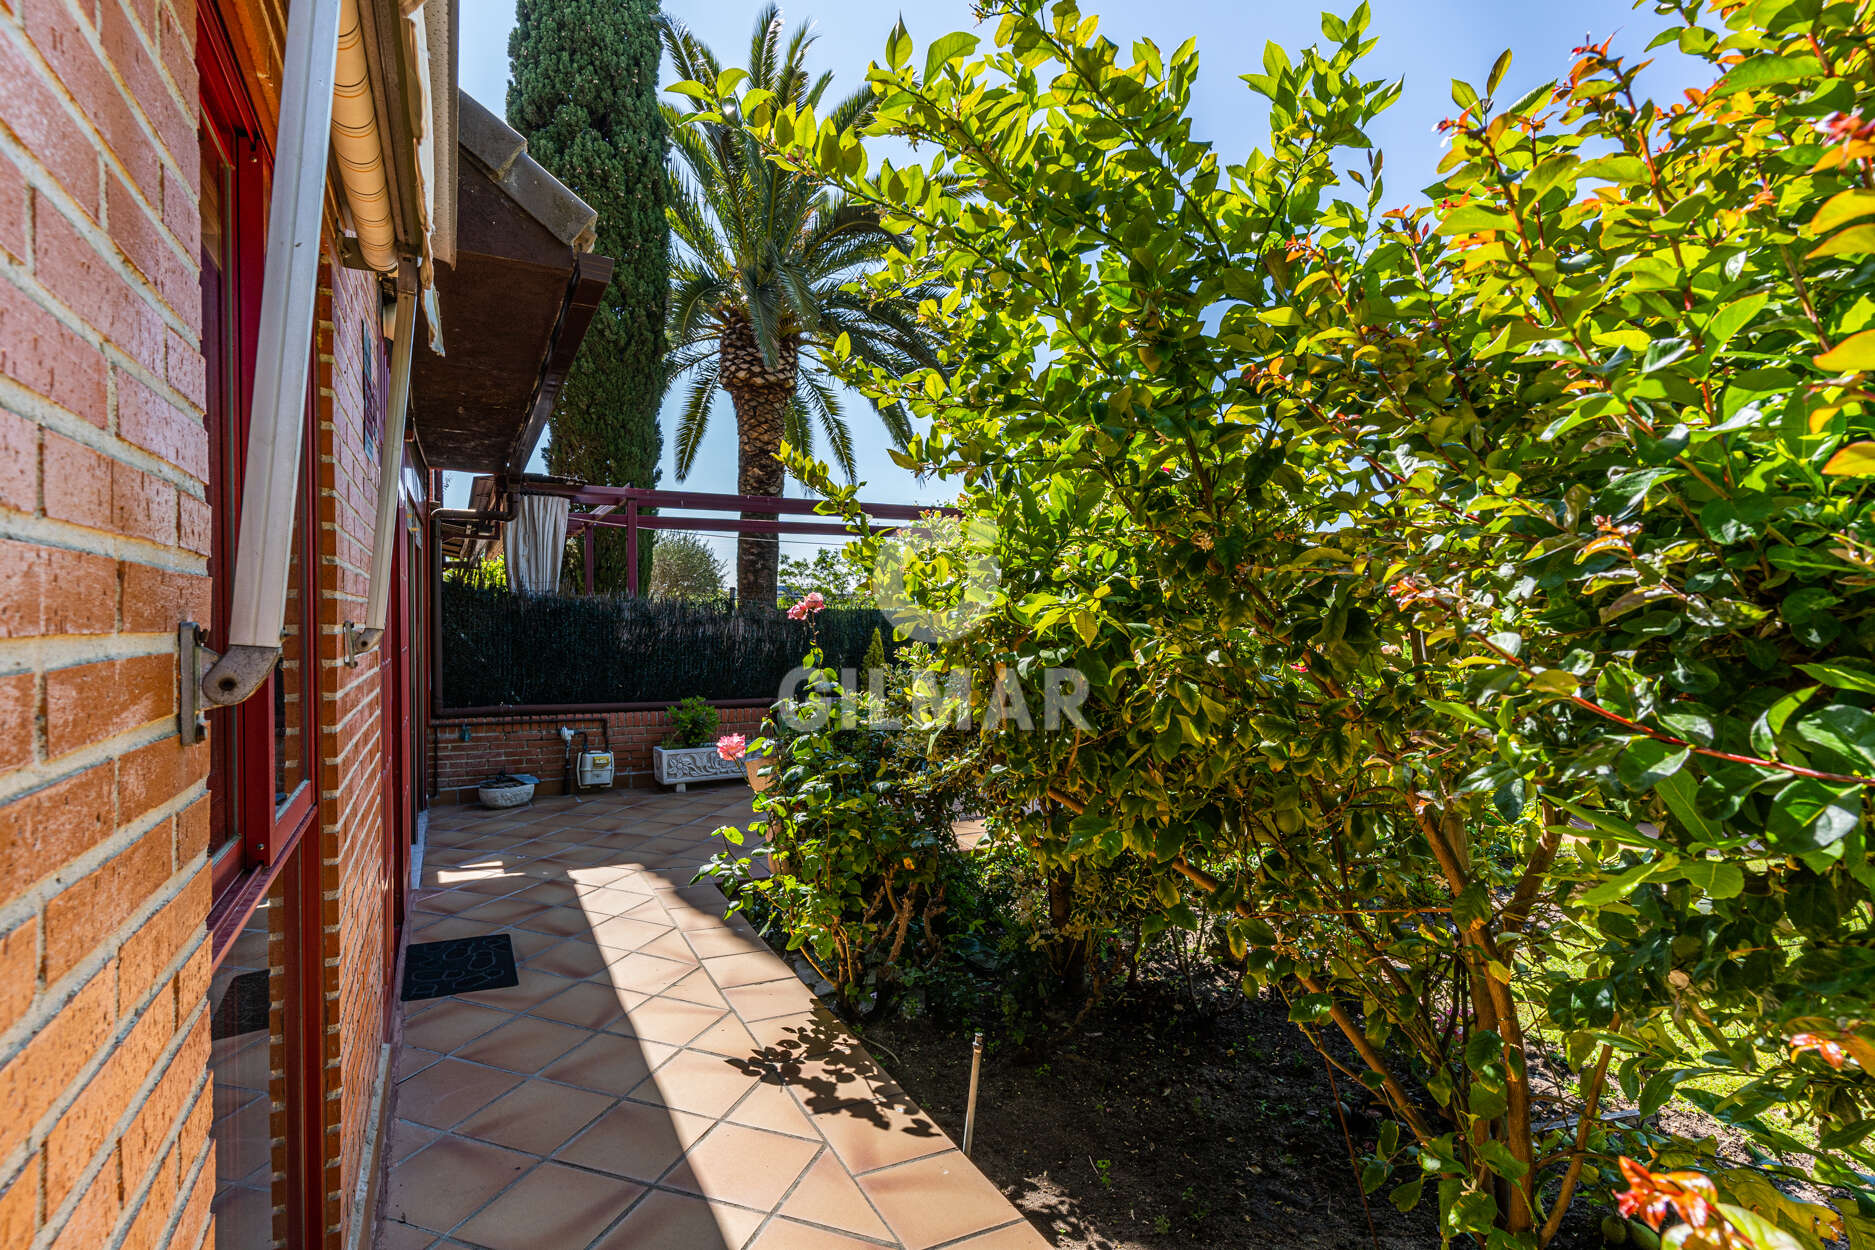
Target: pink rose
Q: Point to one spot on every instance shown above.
(813, 603)
(732, 746)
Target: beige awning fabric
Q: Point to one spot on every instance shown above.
(535, 541)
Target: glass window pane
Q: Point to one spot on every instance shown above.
(250, 999)
(289, 684)
(218, 352)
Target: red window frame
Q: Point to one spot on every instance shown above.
(270, 844)
(265, 833)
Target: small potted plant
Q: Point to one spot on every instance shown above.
(690, 753)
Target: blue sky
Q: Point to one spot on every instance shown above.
(1426, 42)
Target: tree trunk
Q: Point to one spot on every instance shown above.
(761, 396)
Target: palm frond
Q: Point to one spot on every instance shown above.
(821, 400)
(695, 418)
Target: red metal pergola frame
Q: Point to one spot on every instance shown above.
(627, 504)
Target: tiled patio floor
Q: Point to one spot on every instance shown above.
(659, 1079)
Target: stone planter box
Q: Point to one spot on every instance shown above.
(679, 766)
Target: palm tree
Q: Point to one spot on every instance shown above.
(764, 282)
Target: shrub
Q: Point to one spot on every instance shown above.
(685, 567)
(859, 841)
(1476, 599)
(693, 723)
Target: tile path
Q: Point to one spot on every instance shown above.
(659, 1079)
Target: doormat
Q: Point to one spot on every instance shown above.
(243, 1006)
(459, 966)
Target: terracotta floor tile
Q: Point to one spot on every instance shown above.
(838, 1076)
(936, 1200)
(527, 1045)
(496, 885)
(764, 1073)
(1020, 1235)
(447, 929)
(529, 945)
(788, 1235)
(440, 1186)
(671, 946)
(802, 1037)
(772, 1107)
(696, 987)
(551, 1206)
(626, 934)
(602, 874)
(869, 1135)
(635, 1140)
(500, 912)
(743, 1166)
(827, 1195)
(605, 901)
(535, 1116)
(586, 1005)
(551, 894)
(730, 971)
(734, 936)
(446, 1091)
(574, 958)
(666, 1221)
(564, 921)
(397, 1235)
(690, 1081)
(532, 986)
(410, 1061)
(667, 1020)
(609, 1063)
(770, 999)
(407, 1138)
(449, 1023)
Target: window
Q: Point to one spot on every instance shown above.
(264, 998)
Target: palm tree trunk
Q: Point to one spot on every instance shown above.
(761, 396)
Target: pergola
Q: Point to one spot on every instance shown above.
(626, 506)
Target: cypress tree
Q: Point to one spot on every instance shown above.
(584, 95)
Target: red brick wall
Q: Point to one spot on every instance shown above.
(352, 877)
(532, 744)
(104, 1101)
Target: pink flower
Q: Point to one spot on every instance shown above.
(807, 607)
(732, 746)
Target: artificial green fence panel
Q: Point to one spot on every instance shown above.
(501, 649)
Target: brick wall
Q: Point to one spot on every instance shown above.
(532, 744)
(352, 876)
(104, 1100)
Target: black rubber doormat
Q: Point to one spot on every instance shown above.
(243, 1006)
(459, 966)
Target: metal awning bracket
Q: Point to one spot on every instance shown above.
(193, 660)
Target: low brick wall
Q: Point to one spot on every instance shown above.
(467, 751)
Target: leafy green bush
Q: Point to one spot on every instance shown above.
(693, 723)
(1476, 599)
(859, 842)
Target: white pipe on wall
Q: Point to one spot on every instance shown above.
(359, 146)
(283, 356)
(390, 468)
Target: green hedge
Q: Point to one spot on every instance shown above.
(499, 648)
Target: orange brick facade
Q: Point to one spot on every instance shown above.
(106, 1099)
(532, 745)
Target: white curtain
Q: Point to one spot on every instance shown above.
(534, 541)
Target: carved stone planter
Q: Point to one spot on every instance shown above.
(679, 766)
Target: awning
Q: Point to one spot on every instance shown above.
(515, 304)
